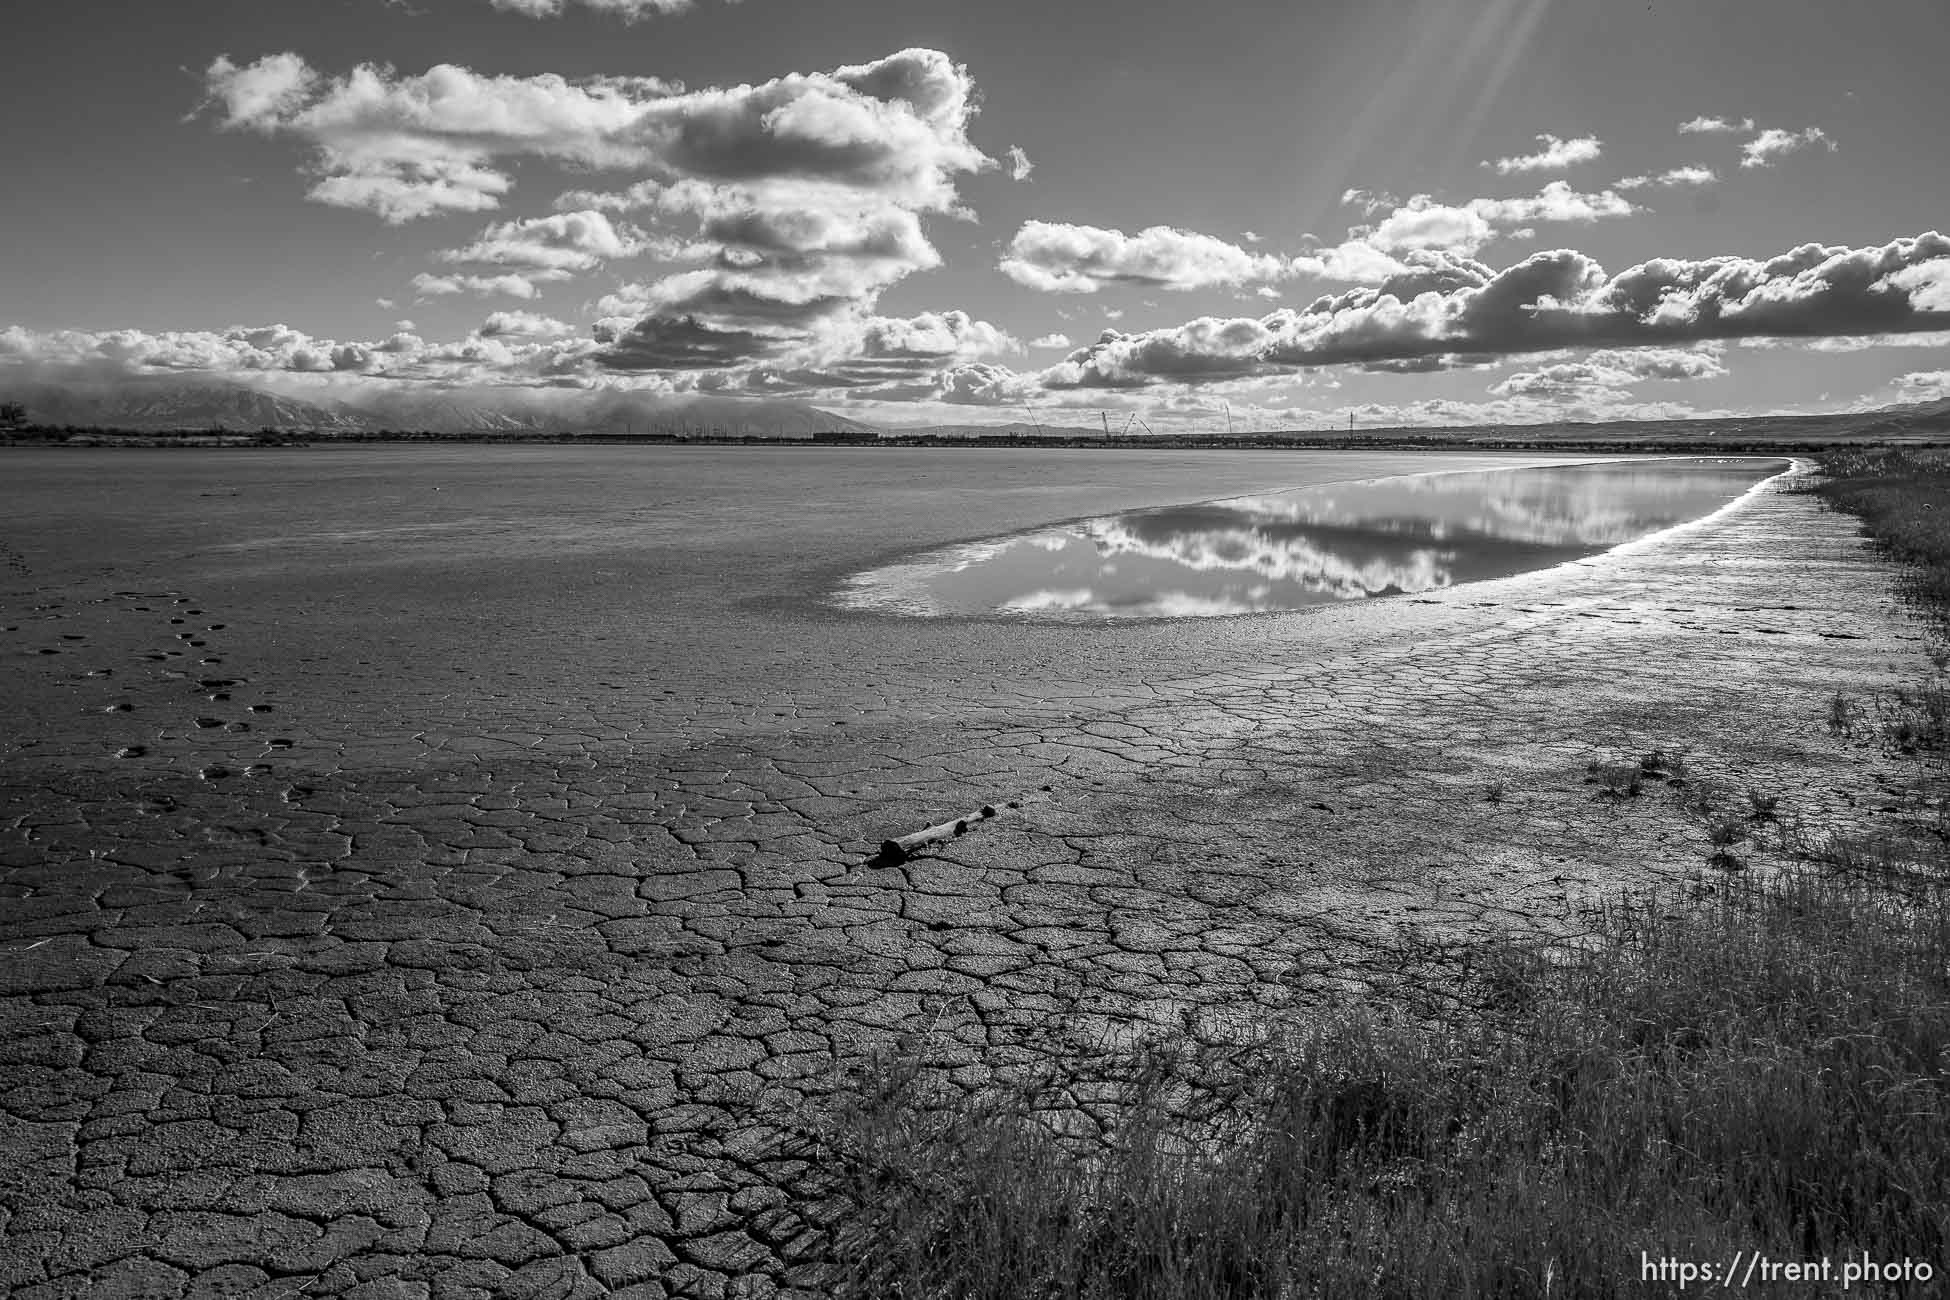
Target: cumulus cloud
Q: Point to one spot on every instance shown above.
(523, 324)
(1050, 341)
(443, 140)
(1607, 368)
(1926, 283)
(1923, 385)
(1019, 165)
(1373, 253)
(262, 351)
(1688, 175)
(1557, 201)
(1555, 155)
(1704, 125)
(513, 285)
(934, 336)
(1063, 258)
(981, 383)
(565, 241)
(628, 10)
(1773, 143)
(795, 245)
(1450, 304)
(1369, 201)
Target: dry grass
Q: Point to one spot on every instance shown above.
(1763, 1071)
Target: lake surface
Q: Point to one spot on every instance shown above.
(1312, 545)
(393, 589)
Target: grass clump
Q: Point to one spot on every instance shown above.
(1763, 1071)
(1616, 780)
(1900, 496)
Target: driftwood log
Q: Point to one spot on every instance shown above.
(897, 850)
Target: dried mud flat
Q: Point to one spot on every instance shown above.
(490, 994)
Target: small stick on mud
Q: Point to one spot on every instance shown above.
(897, 850)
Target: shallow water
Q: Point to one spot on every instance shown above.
(1312, 545)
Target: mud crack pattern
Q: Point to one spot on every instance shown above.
(491, 993)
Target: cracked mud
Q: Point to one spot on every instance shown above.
(352, 946)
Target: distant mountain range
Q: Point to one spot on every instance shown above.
(169, 403)
(145, 405)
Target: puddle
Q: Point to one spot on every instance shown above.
(1310, 546)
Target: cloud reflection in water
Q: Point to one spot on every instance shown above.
(1311, 546)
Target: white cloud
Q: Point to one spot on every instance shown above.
(1704, 125)
(1371, 253)
(1854, 342)
(1063, 258)
(934, 335)
(1019, 165)
(1557, 201)
(1370, 201)
(1923, 385)
(443, 140)
(565, 241)
(1555, 155)
(1446, 307)
(263, 351)
(1690, 174)
(511, 284)
(628, 10)
(1050, 341)
(1926, 283)
(1611, 368)
(1763, 149)
(523, 324)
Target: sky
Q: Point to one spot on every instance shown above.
(910, 212)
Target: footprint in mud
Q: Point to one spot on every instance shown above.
(260, 708)
(99, 672)
(236, 726)
(131, 751)
(49, 651)
(124, 707)
(209, 661)
(280, 742)
(215, 772)
(73, 636)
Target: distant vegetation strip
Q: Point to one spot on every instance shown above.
(1756, 1070)
(1545, 438)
